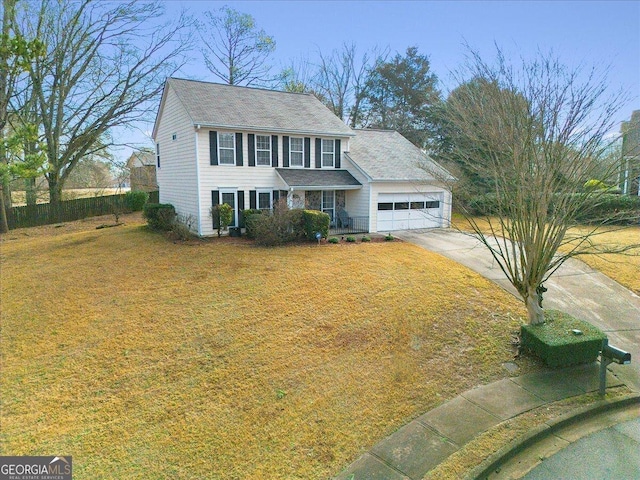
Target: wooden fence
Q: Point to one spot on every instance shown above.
(67, 211)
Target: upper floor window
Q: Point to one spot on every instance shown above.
(296, 152)
(226, 148)
(263, 150)
(158, 155)
(328, 153)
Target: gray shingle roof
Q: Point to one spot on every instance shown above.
(317, 178)
(387, 155)
(218, 105)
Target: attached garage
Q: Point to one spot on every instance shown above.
(409, 211)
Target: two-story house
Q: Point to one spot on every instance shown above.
(250, 147)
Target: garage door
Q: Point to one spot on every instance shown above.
(408, 211)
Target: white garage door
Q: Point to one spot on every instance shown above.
(408, 211)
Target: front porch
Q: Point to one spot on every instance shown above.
(326, 191)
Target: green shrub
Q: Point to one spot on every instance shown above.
(315, 221)
(596, 207)
(595, 184)
(483, 205)
(555, 342)
(388, 238)
(134, 201)
(365, 239)
(249, 219)
(222, 216)
(159, 216)
(610, 209)
(333, 240)
(351, 239)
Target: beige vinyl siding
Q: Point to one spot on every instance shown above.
(177, 175)
(357, 201)
(221, 177)
(406, 187)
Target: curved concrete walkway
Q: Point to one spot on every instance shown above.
(575, 288)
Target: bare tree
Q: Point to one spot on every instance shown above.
(341, 81)
(536, 133)
(234, 49)
(104, 66)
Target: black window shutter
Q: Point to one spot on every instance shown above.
(239, 149)
(213, 147)
(338, 154)
(251, 143)
(318, 153)
(307, 152)
(274, 151)
(276, 197)
(240, 199)
(252, 199)
(285, 151)
(241, 207)
(283, 194)
(215, 200)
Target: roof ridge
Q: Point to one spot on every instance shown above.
(264, 89)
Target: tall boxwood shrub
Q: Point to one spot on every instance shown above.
(159, 216)
(134, 201)
(249, 218)
(315, 221)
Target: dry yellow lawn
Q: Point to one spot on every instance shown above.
(148, 359)
(623, 268)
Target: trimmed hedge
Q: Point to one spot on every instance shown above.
(249, 221)
(134, 201)
(315, 221)
(159, 216)
(607, 208)
(556, 344)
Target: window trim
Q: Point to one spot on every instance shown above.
(258, 150)
(301, 152)
(221, 148)
(158, 154)
(263, 191)
(323, 152)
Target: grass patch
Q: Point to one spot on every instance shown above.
(216, 359)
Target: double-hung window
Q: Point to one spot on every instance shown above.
(226, 148)
(328, 153)
(296, 152)
(264, 200)
(263, 150)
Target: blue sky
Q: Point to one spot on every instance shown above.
(593, 33)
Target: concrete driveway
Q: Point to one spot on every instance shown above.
(575, 288)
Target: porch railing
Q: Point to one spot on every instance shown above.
(349, 225)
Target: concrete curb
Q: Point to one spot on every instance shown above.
(492, 462)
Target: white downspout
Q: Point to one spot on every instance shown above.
(198, 193)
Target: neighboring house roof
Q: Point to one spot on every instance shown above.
(385, 155)
(229, 106)
(318, 179)
(141, 158)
